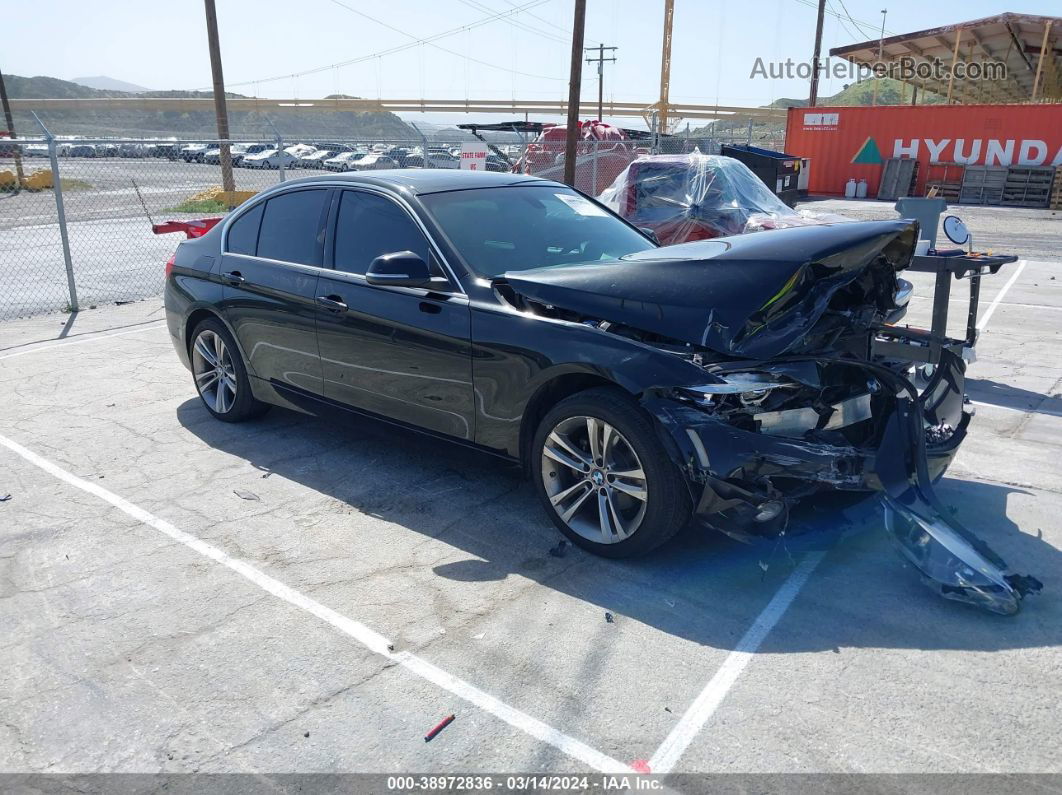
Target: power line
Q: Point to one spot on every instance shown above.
(567, 33)
(857, 23)
(430, 40)
(843, 24)
(518, 24)
(501, 15)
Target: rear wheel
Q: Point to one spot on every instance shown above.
(604, 477)
(220, 375)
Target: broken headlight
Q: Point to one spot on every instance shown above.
(952, 563)
(750, 388)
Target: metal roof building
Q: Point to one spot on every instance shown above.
(1030, 47)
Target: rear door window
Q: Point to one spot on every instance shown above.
(293, 227)
(243, 233)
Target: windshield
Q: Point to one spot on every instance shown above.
(520, 227)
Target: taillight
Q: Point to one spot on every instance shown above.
(169, 264)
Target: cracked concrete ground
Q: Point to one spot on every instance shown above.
(127, 651)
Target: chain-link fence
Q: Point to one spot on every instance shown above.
(76, 214)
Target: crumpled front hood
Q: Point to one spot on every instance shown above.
(752, 296)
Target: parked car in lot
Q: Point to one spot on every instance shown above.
(300, 150)
(212, 156)
(316, 159)
(132, 150)
(82, 150)
(441, 158)
(374, 161)
(191, 153)
(270, 158)
(639, 385)
(344, 161)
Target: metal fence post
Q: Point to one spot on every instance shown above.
(423, 144)
(597, 154)
(280, 148)
(57, 190)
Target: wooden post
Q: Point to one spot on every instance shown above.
(220, 109)
(814, 98)
(575, 84)
(954, 60)
(1040, 61)
(665, 66)
(9, 120)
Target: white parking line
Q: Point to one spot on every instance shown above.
(369, 638)
(66, 344)
(1033, 410)
(983, 322)
(705, 705)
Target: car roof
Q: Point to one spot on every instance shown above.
(421, 181)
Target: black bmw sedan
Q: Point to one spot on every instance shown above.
(640, 386)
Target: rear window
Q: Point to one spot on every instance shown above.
(292, 227)
(243, 233)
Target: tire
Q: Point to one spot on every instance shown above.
(228, 397)
(640, 513)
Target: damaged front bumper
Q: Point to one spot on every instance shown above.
(744, 481)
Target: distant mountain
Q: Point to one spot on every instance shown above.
(890, 92)
(307, 123)
(104, 83)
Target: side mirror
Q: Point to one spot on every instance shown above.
(399, 269)
(649, 233)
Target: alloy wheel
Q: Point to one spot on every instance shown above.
(215, 375)
(594, 479)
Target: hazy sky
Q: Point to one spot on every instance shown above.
(163, 44)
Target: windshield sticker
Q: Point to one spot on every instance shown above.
(580, 205)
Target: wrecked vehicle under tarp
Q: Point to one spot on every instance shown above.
(793, 400)
(689, 197)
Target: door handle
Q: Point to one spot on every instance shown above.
(333, 303)
(233, 277)
(430, 308)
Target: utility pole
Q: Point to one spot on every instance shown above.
(600, 61)
(815, 63)
(575, 84)
(220, 108)
(19, 175)
(665, 66)
(881, 52)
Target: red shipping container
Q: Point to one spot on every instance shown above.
(853, 142)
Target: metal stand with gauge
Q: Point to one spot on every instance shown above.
(957, 264)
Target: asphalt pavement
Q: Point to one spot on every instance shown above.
(293, 595)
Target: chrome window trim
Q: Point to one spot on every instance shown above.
(457, 288)
(355, 278)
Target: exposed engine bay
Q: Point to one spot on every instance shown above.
(788, 395)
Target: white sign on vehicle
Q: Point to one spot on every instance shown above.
(580, 205)
(474, 156)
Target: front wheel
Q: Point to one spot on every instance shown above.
(220, 375)
(604, 477)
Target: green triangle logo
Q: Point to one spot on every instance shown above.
(869, 154)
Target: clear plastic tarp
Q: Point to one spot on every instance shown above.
(698, 197)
